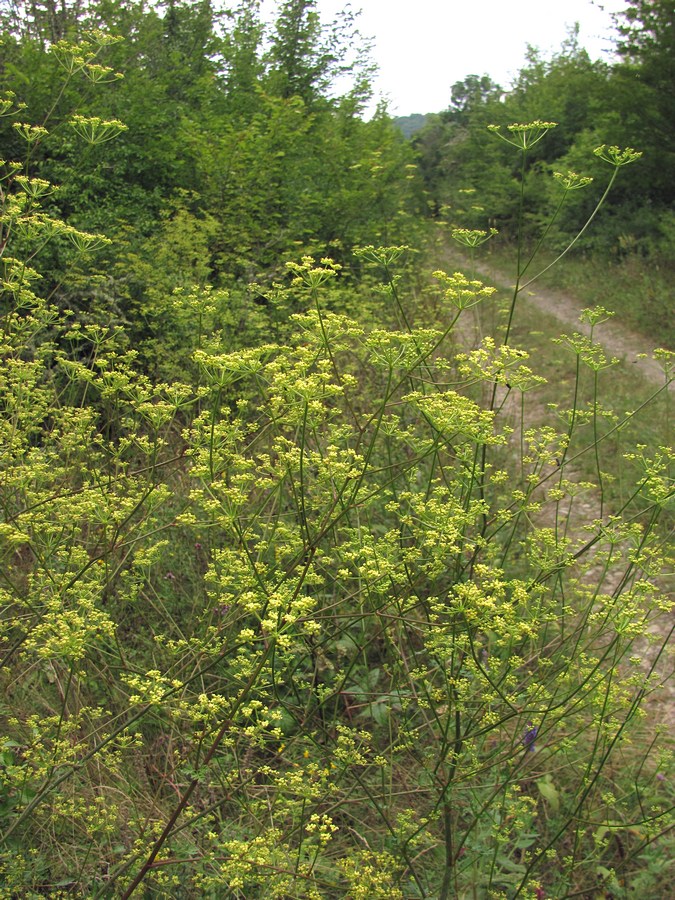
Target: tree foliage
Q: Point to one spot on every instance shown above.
(239, 139)
(629, 102)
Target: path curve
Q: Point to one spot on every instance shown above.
(634, 350)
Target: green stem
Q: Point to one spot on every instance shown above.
(168, 828)
(579, 234)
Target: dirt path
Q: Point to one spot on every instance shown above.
(629, 347)
(617, 341)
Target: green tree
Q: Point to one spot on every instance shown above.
(467, 96)
(46, 21)
(306, 58)
(238, 156)
(635, 108)
(645, 81)
(242, 66)
(460, 160)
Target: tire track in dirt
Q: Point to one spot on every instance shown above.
(631, 348)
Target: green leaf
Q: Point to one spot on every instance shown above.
(549, 792)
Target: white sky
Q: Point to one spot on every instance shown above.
(422, 47)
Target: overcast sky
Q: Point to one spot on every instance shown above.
(422, 47)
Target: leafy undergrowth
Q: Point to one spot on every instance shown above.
(314, 622)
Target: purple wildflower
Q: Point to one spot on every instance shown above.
(530, 736)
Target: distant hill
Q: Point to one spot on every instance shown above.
(410, 124)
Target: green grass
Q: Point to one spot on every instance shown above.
(637, 289)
